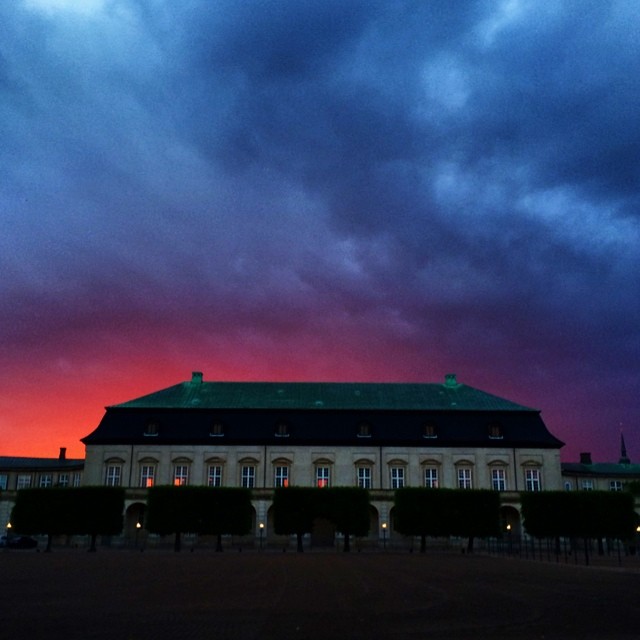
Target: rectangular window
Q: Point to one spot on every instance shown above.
(114, 474)
(214, 478)
(615, 485)
(532, 480)
(46, 480)
(397, 477)
(4, 482)
(282, 477)
(248, 477)
(24, 481)
(464, 478)
(431, 478)
(322, 476)
(364, 477)
(587, 485)
(498, 479)
(77, 478)
(147, 475)
(180, 475)
(63, 479)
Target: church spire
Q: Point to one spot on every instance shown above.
(623, 451)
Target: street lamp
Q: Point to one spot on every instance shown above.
(138, 527)
(384, 536)
(509, 537)
(261, 527)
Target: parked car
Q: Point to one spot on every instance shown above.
(18, 542)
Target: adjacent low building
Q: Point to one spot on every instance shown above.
(587, 475)
(24, 473)
(378, 436)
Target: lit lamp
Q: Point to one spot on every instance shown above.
(509, 534)
(261, 527)
(384, 536)
(7, 536)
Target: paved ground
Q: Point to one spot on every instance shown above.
(119, 594)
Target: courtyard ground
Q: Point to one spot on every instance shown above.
(158, 594)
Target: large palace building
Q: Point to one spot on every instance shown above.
(377, 436)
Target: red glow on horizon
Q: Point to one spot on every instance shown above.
(46, 410)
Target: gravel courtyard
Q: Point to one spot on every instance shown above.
(115, 594)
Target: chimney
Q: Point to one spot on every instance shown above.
(450, 380)
(63, 453)
(196, 377)
(585, 458)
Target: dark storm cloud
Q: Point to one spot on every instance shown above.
(460, 178)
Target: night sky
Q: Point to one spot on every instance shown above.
(319, 190)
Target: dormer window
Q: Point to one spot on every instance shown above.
(495, 431)
(217, 430)
(430, 430)
(364, 430)
(151, 428)
(282, 430)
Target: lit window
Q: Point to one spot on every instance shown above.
(498, 479)
(281, 476)
(180, 475)
(151, 429)
(364, 477)
(615, 485)
(147, 475)
(114, 475)
(215, 475)
(364, 430)
(532, 480)
(24, 481)
(430, 431)
(282, 430)
(46, 480)
(464, 478)
(4, 482)
(248, 477)
(63, 479)
(495, 431)
(587, 485)
(397, 477)
(322, 476)
(431, 478)
(217, 430)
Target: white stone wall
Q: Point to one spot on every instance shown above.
(342, 461)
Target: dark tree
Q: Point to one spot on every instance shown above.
(98, 511)
(581, 514)
(444, 512)
(294, 510)
(209, 510)
(48, 512)
(420, 512)
(224, 510)
(173, 510)
(348, 509)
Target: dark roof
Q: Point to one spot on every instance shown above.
(603, 469)
(33, 464)
(323, 414)
(450, 396)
